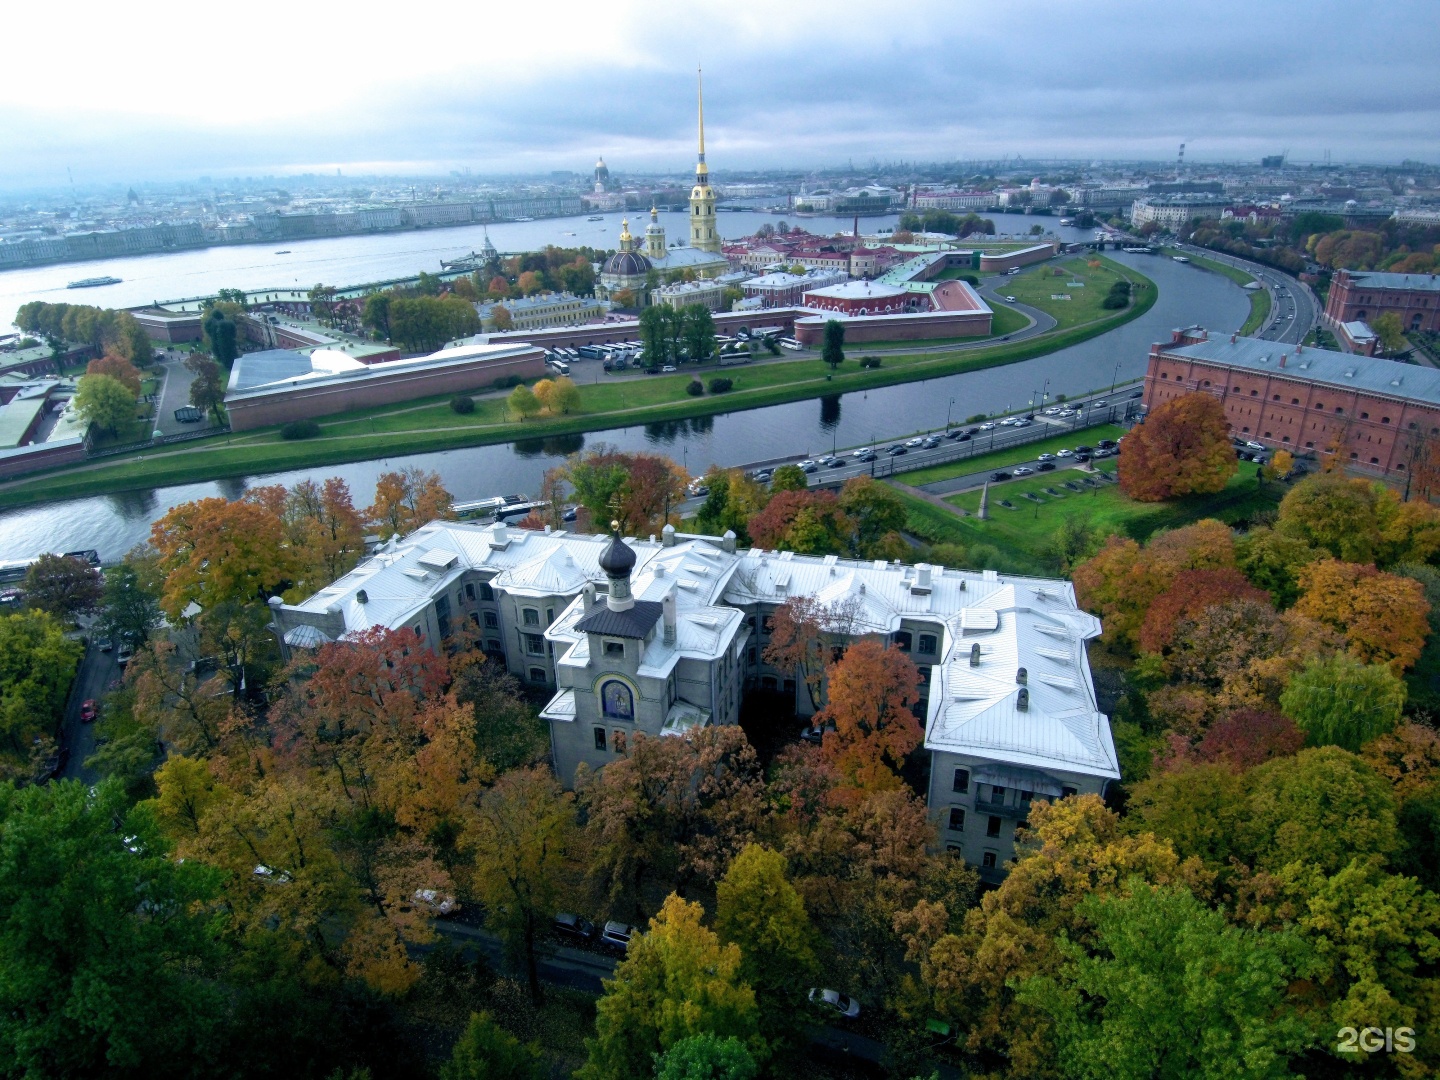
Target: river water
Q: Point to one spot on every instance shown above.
(112, 524)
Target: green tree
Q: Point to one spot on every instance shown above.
(523, 402)
(130, 608)
(1390, 330)
(221, 335)
(107, 944)
(677, 980)
(698, 332)
(1342, 701)
(486, 1051)
(37, 665)
(104, 403)
(833, 350)
(1167, 990)
(63, 586)
(789, 478)
(376, 313)
(759, 910)
(707, 1057)
(878, 514)
(523, 833)
(207, 388)
(655, 334)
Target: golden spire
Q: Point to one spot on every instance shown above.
(700, 169)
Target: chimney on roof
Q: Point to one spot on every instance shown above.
(667, 611)
(667, 535)
(1233, 337)
(547, 530)
(501, 536)
(1022, 700)
(975, 654)
(587, 596)
(1022, 677)
(1282, 358)
(922, 575)
(727, 542)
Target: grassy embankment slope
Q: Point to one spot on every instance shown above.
(1259, 298)
(428, 425)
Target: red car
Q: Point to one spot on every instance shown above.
(88, 711)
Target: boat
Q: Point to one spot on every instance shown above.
(283, 251)
(92, 282)
(595, 217)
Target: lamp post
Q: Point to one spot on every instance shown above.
(947, 413)
(1114, 376)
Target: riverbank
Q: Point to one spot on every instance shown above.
(431, 425)
(1259, 298)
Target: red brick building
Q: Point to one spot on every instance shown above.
(866, 298)
(1375, 413)
(1360, 295)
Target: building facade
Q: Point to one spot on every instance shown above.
(664, 635)
(1375, 414)
(542, 310)
(1362, 295)
(865, 298)
(709, 294)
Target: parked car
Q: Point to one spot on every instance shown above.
(1137, 394)
(573, 927)
(915, 441)
(105, 644)
(1045, 457)
(1046, 466)
(847, 1007)
(266, 874)
(763, 476)
(1084, 449)
(1082, 457)
(1024, 470)
(815, 735)
(435, 902)
(123, 656)
(88, 711)
(617, 935)
(1252, 445)
(1106, 444)
(1000, 476)
(897, 451)
(868, 456)
(987, 427)
(836, 463)
(668, 368)
(1064, 453)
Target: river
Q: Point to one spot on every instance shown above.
(112, 524)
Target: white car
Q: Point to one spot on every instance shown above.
(861, 451)
(1065, 453)
(437, 903)
(847, 1007)
(915, 441)
(1066, 412)
(1045, 457)
(1023, 470)
(1099, 404)
(1052, 410)
(1009, 299)
(617, 935)
(669, 368)
(807, 464)
(987, 427)
(1254, 446)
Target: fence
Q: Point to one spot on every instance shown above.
(149, 444)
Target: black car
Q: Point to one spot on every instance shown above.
(1084, 449)
(954, 433)
(573, 927)
(972, 431)
(836, 463)
(964, 436)
(1106, 444)
(1045, 466)
(1082, 457)
(812, 467)
(897, 451)
(1137, 394)
(869, 455)
(999, 476)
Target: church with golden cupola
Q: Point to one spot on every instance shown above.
(638, 267)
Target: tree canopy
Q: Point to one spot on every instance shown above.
(1182, 448)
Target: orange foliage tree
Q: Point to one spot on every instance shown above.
(407, 499)
(1182, 448)
(119, 369)
(214, 550)
(1383, 616)
(1192, 592)
(872, 688)
(806, 522)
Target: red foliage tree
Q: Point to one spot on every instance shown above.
(1190, 593)
(807, 522)
(871, 690)
(1249, 737)
(1182, 448)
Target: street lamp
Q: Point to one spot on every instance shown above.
(947, 413)
(1114, 376)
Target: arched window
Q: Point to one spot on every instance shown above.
(617, 701)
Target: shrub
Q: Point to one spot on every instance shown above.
(720, 386)
(771, 344)
(462, 404)
(977, 418)
(696, 388)
(300, 429)
(505, 382)
(869, 361)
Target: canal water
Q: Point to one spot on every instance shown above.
(112, 524)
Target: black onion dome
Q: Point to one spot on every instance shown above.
(617, 560)
(627, 264)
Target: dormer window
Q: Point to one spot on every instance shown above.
(614, 649)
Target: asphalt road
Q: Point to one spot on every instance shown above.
(1294, 310)
(97, 670)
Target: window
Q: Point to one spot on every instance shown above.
(992, 827)
(1384, 419)
(1364, 416)
(537, 674)
(531, 616)
(420, 631)
(957, 819)
(549, 615)
(1066, 792)
(997, 794)
(1254, 393)
(1275, 397)
(617, 701)
(615, 648)
(988, 860)
(1339, 411)
(901, 640)
(1294, 401)
(599, 738)
(750, 654)
(927, 643)
(492, 620)
(486, 592)
(1318, 405)
(534, 644)
(494, 648)
(469, 591)
(767, 625)
(962, 781)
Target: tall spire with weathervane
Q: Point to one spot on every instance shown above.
(702, 198)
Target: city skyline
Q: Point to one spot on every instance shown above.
(803, 87)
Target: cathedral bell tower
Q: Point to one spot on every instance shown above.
(654, 236)
(703, 234)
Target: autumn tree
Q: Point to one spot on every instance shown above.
(37, 664)
(672, 811)
(732, 500)
(1271, 559)
(486, 1051)
(118, 368)
(1335, 513)
(1342, 701)
(877, 515)
(707, 1057)
(1383, 616)
(104, 402)
(806, 522)
(1190, 593)
(789, 478)
(130, 606)
(207, 385)
(677, 981)
(523, 402)
(642, 491)
(872, 689)
(758, 909)
(213, 550)
(408, 499)
(804, 632)
(1182, 448)
(63, 586)
(1250, 737)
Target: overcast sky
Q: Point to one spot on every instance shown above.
(157, 90)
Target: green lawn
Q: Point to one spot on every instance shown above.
(1010, 455)
(1259, 298)
(430, 424)
(1038, 286)
(1025, 528)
